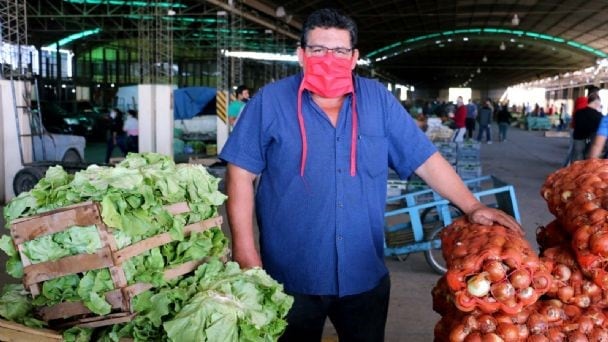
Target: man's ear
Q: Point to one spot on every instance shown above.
(300, 53)
(355, 58)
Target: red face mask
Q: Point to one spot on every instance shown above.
(327, 75)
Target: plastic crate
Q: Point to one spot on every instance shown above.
(468, 171)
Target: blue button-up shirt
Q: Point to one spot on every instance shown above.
(322, 234)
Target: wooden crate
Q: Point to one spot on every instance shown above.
(203, 161)
(68, 314)
(15, 332)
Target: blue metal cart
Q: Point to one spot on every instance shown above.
(414, 220)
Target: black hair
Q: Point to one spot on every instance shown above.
(593, 96)
(592, 89)
(240, 89)
(329, 18)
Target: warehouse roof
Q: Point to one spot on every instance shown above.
(424, 43)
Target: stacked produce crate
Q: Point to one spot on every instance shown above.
(134, 251)
(468, 164)
(497, 289)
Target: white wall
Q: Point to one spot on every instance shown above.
(11, 158)
(155, 116)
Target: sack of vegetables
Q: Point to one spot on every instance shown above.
(161, 221)
(491, 268)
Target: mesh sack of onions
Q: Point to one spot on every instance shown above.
(551, 235)
(578, 194)
(570, 285)
(491, 268)
(545, 320)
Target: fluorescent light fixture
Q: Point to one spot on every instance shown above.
(515, 20)
(269, 56)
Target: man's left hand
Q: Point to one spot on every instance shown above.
(487, 216)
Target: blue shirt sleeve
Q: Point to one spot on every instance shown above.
(603, 128)
(245, 145)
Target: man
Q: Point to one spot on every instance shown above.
(322, 142)
(460, 115)
(471, 116)
(116, 136)
(235, 107)
(587, 123)
(599, 141)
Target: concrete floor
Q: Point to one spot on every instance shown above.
(524, 161)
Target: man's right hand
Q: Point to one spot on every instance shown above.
(247, 259)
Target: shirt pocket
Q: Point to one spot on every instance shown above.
(373, 155)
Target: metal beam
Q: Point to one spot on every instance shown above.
(253, 18)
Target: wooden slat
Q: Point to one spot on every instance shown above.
(177, 208)
(84, 214)
(182, 269)
(69, 265)
(107, 320)
(63, 311)
(14, 332)
(161, 239)
(25, 261)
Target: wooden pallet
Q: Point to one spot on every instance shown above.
(15, 332)
(68, 314)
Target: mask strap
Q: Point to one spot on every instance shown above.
(302, 131)
(353, 141)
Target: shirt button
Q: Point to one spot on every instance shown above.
(339, 237)
(338, 139)
(340, 205)
(339, 170)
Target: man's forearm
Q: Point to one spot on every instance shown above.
(239, 207)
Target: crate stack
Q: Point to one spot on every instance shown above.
(468, 164)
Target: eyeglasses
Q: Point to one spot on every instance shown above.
(320, 51)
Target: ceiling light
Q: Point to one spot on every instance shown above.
(515, 20)
(502, 46)
(479, 70)
(466, 39)
(280, 12)
(484, 59)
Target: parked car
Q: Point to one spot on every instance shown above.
(97, 116)
(56, 147)
(57, 120)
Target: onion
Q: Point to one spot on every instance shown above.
(502, 291)
(470, 323)
(522, 332)
(599, 335)
(475, 336)
(520, 279)
(487, 324)
(562, 272)
(572, 311)
(458, 334)
(591, 289)
(577, 336)
(582, 301)
(496, 270)
(552, 313)
(556, 335)
(491, 337)
(508, 332)
(585, 324)
(565, 293)
(540, 282)
(537, 324)
(526, 294)
(596, 315)
(479, 285)
(537, 338)
(521, 317)
(598, 243)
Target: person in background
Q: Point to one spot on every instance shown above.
(471, 118)
(460, 115)
(235, 107)
(116, 135)
(504, 121)
(587, 123)
(131, 128)
(321, 142)
(485, 121)
(599, 141)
